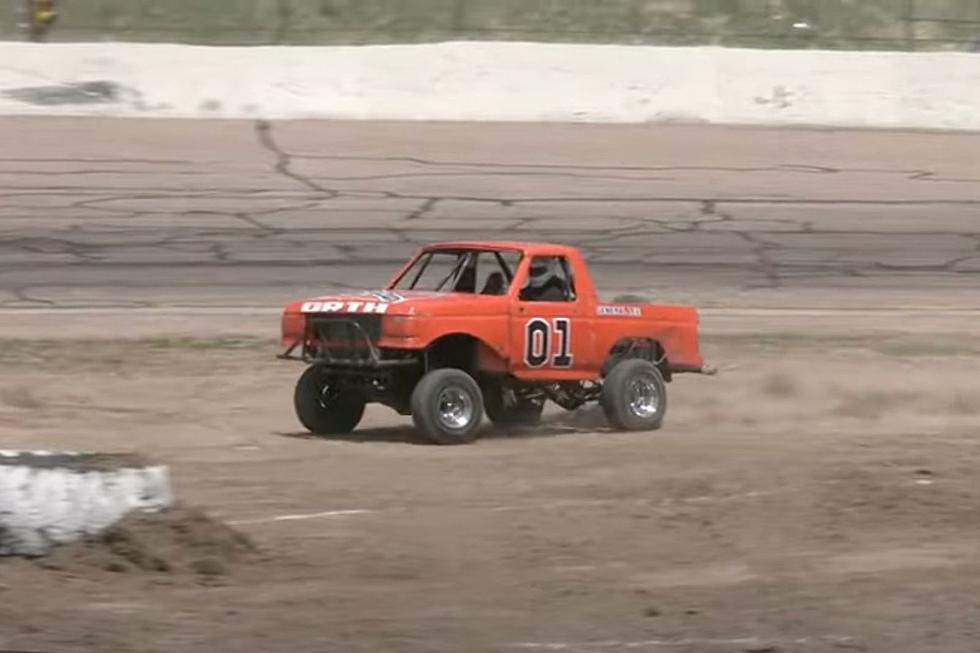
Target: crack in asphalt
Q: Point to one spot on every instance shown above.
(912, 175)
(263, 130)
(62, 241)
(427, 205)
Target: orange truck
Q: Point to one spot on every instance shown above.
(467, 329)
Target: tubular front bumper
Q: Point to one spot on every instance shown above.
(318, 346)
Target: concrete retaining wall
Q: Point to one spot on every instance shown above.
(496, 82)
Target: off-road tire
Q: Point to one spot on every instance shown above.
(524, 413)
(620, 394)
(325, 414)
(431, 399)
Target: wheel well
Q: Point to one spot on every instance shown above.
(457, 350)
(636, 347)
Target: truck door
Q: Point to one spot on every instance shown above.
(545, 340)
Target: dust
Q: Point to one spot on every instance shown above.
(586, 418)
(20, 397)
(179, 541)
(961, 404)
(872, 404)
(780, 385)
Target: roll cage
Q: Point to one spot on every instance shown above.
(464, 272)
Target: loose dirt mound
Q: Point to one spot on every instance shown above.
(178, 541)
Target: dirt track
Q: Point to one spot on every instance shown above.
(819, 495)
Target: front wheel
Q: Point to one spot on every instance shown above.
(634, 396)
(447, 406)
(323, 409)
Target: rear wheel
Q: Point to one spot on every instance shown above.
(634, 396)
(323, 409)
(447, 406)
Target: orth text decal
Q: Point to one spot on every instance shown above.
(344, 307)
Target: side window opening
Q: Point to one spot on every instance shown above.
(496, 271)
(549, 280)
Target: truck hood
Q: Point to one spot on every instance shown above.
(401, 302)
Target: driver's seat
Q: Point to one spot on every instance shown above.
(494, 284)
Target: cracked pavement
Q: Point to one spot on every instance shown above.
(134, 213)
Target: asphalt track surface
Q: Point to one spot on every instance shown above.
(100, 213)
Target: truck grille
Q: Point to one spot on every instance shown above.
(345, 336)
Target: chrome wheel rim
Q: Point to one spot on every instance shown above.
(455, 409)
(643, 397)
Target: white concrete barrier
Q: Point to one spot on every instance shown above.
(49, 498)
(496, 82)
